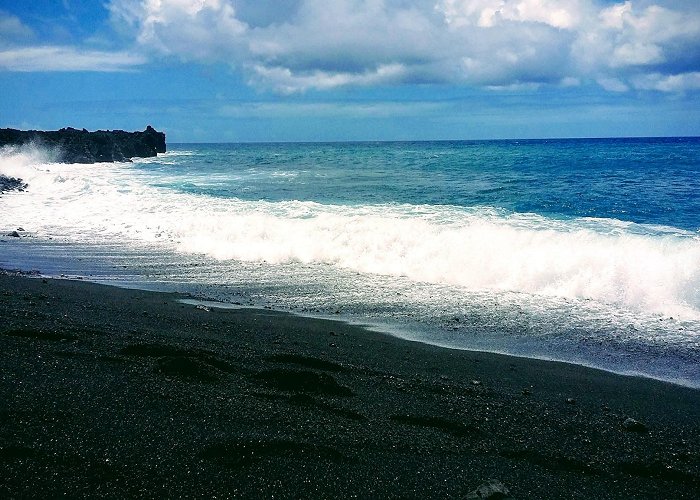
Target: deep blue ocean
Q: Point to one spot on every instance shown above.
(581, 250)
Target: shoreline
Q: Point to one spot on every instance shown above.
(388, 329)
(391, 331)
(110, 391)
(600, 344)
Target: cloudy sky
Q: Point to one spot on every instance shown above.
(271, 70)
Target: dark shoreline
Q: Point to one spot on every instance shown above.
(112, 392)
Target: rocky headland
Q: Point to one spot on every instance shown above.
(80, 146)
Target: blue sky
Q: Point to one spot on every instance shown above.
(313, 70)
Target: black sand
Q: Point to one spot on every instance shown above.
(106, 392)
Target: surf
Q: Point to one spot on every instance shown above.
(641, 267)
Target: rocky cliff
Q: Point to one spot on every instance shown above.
(81, 146)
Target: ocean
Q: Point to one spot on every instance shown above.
(583, 250)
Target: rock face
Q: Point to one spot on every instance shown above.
(11, 184)
(81, 146)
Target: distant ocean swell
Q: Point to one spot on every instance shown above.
(654, 269)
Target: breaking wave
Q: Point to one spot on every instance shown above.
(650, 268)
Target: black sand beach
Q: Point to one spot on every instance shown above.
(107, 392)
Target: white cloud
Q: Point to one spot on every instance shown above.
(612, 84)
(19, 53)
(192, 29)
(51, 58)
(636, 53)
(318, 44)
(287, 82)
(486, 13)
(668, 83)
(12, 29)
(634, 36)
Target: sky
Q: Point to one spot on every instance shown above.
(346, 70)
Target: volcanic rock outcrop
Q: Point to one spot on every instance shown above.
(80, 146)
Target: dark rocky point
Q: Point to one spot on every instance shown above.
(81, 146)
(11, 184)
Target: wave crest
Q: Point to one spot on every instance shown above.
(630, 265)
(476, 249)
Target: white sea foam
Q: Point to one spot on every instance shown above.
(471, 249)
(479, 249)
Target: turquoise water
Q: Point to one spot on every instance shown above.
(586, 251)
(650, 181)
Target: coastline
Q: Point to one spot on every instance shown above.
(109, 391)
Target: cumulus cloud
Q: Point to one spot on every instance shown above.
(287, 82)
(192, 29)
(630, 36)
(486, 13)
(668, 83)
(295, 45)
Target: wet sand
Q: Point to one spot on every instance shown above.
(107, 392)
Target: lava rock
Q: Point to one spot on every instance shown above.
(11, 184)
(81, 146)
(633, 425)
(492, 489)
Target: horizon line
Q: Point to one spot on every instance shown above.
(365, 141)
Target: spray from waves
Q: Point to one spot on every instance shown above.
(480, 249)
(24, 161)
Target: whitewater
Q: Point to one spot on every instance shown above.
(581, 251)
